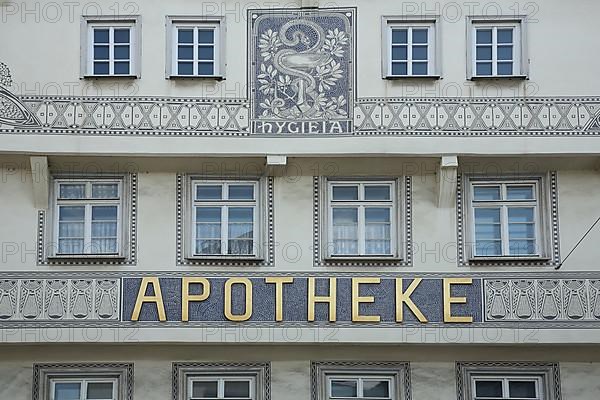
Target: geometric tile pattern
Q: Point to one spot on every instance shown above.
(170, 116)
(542, 299)
(60, 299)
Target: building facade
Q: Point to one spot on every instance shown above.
(299, 200)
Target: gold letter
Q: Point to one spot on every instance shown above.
(449, 300)
(156, 299)
(248, 289)
(186, 297)
(312, 299)
(279, 294)
(357, 299)
(404, 298)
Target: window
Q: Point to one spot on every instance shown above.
(111, 47)
(410, 48)
(366, 387)
(238, 381)
(225, 217)
(83, 389)
(508, 381)
(506, 218)
(356, 380)
(497, 49)
(83, 382)
(238, 388)
(196, 45)
(506, 387)
(362, 218)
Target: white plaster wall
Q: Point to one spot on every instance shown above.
(50, 32)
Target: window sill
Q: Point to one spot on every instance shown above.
(406, 77)
(499, 77)
(87, 257)
(334, 259)
(508, 259)
(225, 258)
(197, 77)
(111, 77)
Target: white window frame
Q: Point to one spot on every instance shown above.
(47, 375)
(88, 23)
(360, 385)
(520, 60)
(505, 385)
(84, 384)
(87, 202)
(541, 215)
(431, 23)
(395, 221)
(259, 213)
(217, 23)
(220, 385)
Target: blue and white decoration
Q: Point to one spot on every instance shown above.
(302, 71)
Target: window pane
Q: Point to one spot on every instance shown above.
(419, 68)
(185, 52)
(208, 214)
(185, 36)
(208, 246)
(104, 229)
(483, 36)
(185, 68)
(121, 68)
(522, 247)
(484, 53)
(101, 68)
(241, 192)
(341, 388)
(399, 36)
(241, 214)
(241, 230)
(399, 53)
(377, 230)
(520, 214)
(100, 391)
(204, 389)
(487, 216)
(105, 190)
(208, 192)
(206, 68)
(419, 52)
(206, 36)
(206, 53)
(100, 35)
(67, 390)
(521, 231)
(505, 35)
(72, 191)
(419, 35)
(492, 389)
(505, 68)
(505, 53)
(345, 192)
(121, 52)
(122, 35)
(399, 68)
(70, 229)
(237, 389)
(373, 192)
(520, 193)
(487, 232)
(486, 193)
(522, 389)
(345, 230)
(208, 230)
(484, 69)
(101, 53)
(104, 213)
(377, 215)
(376, 389)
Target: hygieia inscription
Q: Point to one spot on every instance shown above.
(303, 299)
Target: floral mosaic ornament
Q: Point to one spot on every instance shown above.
(303, 69)
(12, 111)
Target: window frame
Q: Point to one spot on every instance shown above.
(503, 204)
(506, 379)
(360, 386)
(84, 384)
(184, 373)
(123, 211)
(396, 220)
(46, 375)
(260, 211)
(217, 23)
(434, 55)
(220, 379)
(88, 23)
(520, 60)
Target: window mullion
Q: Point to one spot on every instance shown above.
(87, 229)
(495, 51)
(224, 229)
(195, 42)
(504, 229)
(409, 48)
(361, 230)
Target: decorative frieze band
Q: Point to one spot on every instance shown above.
(542, 299)
(231, 117)
(76, 299)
